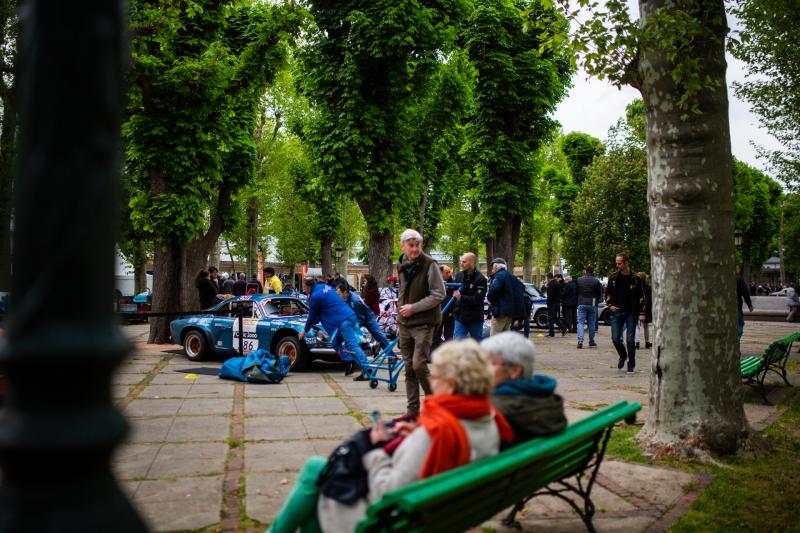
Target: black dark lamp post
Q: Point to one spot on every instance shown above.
(737, 237)
(59, 426)
(338, 252)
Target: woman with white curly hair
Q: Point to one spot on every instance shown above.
(457, 425)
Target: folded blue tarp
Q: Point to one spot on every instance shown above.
(259, 366)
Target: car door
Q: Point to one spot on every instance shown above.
(246, 317)
(221, 328)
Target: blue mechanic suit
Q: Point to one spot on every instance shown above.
(325, 306)
(367, 318)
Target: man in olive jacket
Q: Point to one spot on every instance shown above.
(419, 311)
(527, 401)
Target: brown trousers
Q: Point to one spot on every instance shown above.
(415, 345)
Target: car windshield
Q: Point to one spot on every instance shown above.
(284, 307)
(532, 292)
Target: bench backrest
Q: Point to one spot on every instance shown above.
(467, 496)
(779, 349)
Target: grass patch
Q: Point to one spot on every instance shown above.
(590, 406)
(233, 443)
(758, 494)
(622, 446)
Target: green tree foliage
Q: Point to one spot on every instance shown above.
(366, 65)
(519, 83)
(768, 45)
(199, 69)
(611, 214)
(580, 150)
(758, 211)
(791, 236)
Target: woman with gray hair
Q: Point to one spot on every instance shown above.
(527, 400)
(458, 425)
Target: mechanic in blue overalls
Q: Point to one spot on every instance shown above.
(364, 314)
(325, 306)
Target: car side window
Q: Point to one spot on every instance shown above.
(245, 308)
(224, 310)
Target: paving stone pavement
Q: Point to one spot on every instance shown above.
(181, 461)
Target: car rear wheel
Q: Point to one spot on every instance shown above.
(292, 348)
(541, 318)
(195, 345)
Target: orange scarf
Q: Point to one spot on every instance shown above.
(449, 443)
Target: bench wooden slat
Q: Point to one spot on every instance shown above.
(469, 495)
(754, 369)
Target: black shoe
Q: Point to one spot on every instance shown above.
(592, 344)
(351, 367)
(563, 333)
(648, 345)
(621, 363)
(580, 345)
(637, 346)
(548, 335)
(361, 377)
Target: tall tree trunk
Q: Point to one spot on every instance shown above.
(213, 255)
(527, 252)
(139, 272)
(489, 253)
(380, 251)
(506, 240)
(325, 255)
(252, 237)
(695, 388)
(341, 264)
(780, 245)
(233, 261)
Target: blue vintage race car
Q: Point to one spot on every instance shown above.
(269, 321)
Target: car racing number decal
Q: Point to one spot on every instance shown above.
(249, 335)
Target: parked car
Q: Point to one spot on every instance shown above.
(539, 311)
(270, 321)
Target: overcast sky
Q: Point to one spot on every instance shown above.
(594, 106)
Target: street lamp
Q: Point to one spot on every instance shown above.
(338, 252)
(737, 237)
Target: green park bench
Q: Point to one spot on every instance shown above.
(467, 496)
(754, 369)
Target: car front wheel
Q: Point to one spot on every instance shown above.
(298, 353)
(541, 319)
(195, 345)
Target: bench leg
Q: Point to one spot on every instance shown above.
(511, 519)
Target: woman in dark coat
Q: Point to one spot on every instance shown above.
(205, 289)
(371, 295)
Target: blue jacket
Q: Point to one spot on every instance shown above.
(501, 294)
(363, 313)
(326, 306)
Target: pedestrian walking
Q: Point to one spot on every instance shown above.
(792, 301)
(554, 306)
(501, 296)
(419, 312)
(569, 304)
(589, 291)
(625, 299)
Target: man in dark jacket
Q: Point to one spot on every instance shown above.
(569, 304)
(501, 296)
(589, 291)
(625, 299)
(527, 401)
(644, 325)
(554, 306)
(419, 311)
(468, 309)
(325, 306)
(444, 331)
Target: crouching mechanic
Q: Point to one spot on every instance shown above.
(325, 306)
(527, 401)
(364, 314)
